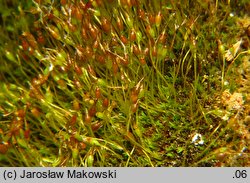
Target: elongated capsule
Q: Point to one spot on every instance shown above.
(75, 153)
(36, 112)
(88, 118)
(119, 23)
(27, 134)
(162, 38)
(30, 38)
(88, 52)
(22, 143)
(98, 93)
(150, 31)
(93, 31)
(141, 14)
(106, 26)
(221, 47)
(142, 60)
(102, 82)
(84, 33)
(77, 13)
(99, 3)
(134, 107)
(82, 5)
(129, 21)
(101, 59)
(39, 81)
(134, 2)
(63, 2)
(72, 121)
(96, 44)
(134, 97)
(151, 19)
(91, 70)
(132, 35)
(76, 105)
(25, 44)
(136, 50)
(54, 32)
(42, 78)
(92, 110)
(77, 83)
(20, 113)
(78, 69)
(40, 39)
(38, 1)
(125, 60)
(115, 67)
(4, 147)
(90, 160)
(10, 56)
(154, 51)
(96, 126)
(71, 26)
(80, 52)
(123, 2)
(124, 39)
(62, 83)
(129, 3)
(105, 102)
(158, 19)
(82, 145)
(146, 51)
(61, 58)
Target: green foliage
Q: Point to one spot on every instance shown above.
(115, 83)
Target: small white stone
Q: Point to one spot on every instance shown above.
(197, 139)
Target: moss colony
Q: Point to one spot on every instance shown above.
(124, 83)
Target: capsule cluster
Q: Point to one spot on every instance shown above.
(100, 35)
(79, 44)
(81, 55)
